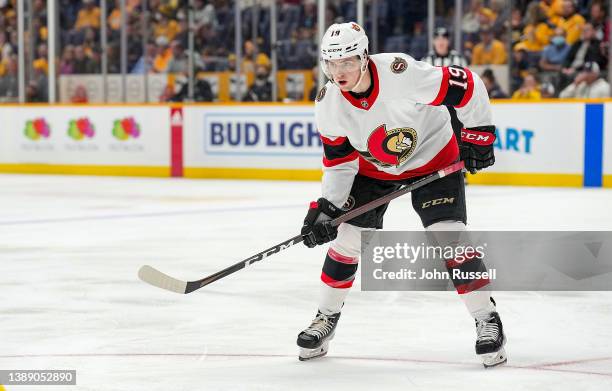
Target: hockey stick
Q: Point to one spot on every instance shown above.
(156, 278)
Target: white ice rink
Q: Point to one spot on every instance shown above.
(70, 249)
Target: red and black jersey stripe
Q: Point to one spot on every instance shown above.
(337, 151)
(456, 88)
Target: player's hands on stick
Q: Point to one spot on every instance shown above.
(317, 228)
(476, 147)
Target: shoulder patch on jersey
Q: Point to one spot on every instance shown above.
(349, 204)
(398, 65)
(321, 94)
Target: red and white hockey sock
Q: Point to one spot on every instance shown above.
(338, 275)
(339, 269)
(471, 291)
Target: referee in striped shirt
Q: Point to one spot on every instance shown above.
(442, 55)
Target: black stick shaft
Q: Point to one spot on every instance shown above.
(194, 285)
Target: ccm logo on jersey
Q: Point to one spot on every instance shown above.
(476, 137)
(438, 201)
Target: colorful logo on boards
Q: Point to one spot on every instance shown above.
(126, 128)
(81, 128)
(36, 129)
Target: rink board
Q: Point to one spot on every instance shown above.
(251, 142)
(607, 146)
(549, 143)
(537, 145)
(88, 140)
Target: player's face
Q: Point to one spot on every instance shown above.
(345, 72)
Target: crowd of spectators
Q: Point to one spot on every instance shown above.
(560, 42)
(551, 45)
(8, 57)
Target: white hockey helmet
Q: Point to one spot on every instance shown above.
(344, 40)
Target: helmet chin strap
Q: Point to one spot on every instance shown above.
(363, 69)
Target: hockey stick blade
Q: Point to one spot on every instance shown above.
(152, 276)
(161, 280)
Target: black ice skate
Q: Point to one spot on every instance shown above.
(314, 341)
(490, 341)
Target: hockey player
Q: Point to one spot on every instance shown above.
(383, 124)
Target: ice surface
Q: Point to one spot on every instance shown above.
(70, 249)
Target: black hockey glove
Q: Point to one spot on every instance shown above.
(476, 147)
(317, 228)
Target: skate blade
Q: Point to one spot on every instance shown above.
(309, 354)
(490, 360)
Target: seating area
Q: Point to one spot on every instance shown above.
(548, 40)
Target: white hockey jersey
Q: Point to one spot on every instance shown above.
(402, 129)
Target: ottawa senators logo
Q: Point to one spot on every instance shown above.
(398, 65)
(321, 94)
(391, 147)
